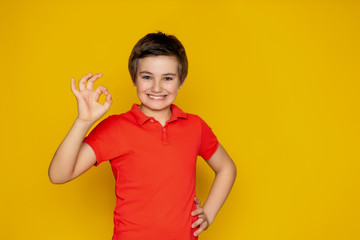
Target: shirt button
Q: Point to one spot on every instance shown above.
(151, 120)
(164, 129)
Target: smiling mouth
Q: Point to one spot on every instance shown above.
(157, 97)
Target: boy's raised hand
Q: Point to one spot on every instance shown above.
(89, 108)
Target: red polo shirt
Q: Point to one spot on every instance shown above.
(154, 169)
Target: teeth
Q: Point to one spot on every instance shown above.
(157, 97)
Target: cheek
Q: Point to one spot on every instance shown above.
(173, 88)
(142, 86)
(140, 90)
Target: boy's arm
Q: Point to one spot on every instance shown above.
(73, 157)
(225, 174)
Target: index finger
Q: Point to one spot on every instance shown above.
(83, 80)
(90, 81)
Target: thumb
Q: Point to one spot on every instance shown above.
(108, 101)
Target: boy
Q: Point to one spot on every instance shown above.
(152, 148)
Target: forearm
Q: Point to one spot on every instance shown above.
(219, 191)
(64, 160)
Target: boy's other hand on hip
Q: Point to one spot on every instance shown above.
(202, 222)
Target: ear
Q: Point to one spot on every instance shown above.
(182, 84)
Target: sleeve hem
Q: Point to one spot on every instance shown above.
(210, 153)
(97, 153)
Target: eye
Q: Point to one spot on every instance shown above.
(146, 77)
(168, 78)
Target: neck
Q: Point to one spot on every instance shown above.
(160, 115)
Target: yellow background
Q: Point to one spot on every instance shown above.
(278, 82)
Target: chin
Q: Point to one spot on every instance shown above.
(156, 107)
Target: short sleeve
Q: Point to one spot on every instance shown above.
(209, 142)
(102, 140)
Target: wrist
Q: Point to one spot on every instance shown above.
(210, 217)
(83, 124)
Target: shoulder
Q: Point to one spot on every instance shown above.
(195, 118)
(112, 119)
(119, 117)
(115, 120)
(199, 123)
(192, 119)
(189, 116)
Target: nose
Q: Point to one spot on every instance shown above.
(156, 86)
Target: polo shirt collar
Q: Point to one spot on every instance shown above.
(141, 118)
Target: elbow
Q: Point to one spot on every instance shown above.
(229, 170)
(57, 181)
(233, 170)
(54, 179)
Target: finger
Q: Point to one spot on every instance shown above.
(197, 202)
(73, 87)
(90, 81)
(108, 101)
(197, 212)
(198, 231)
(83, 81)
(197, 223)
(203, 226)
(99, 90)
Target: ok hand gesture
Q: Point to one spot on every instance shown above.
(89, 108)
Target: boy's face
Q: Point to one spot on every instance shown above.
(157, 82)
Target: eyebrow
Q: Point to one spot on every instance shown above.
(173, 74)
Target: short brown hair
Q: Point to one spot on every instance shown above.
(155, 44)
